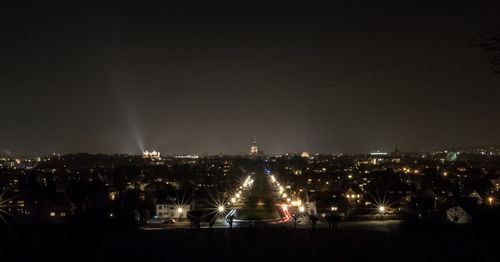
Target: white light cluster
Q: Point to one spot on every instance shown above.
(238, 194)
(151, 155)
(187, 156)
(248, 182)
(281, 192)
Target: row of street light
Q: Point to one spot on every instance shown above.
(294, 203)
(238, 195)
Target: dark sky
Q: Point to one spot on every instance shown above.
(188, 78)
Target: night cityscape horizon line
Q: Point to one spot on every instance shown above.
(479, 148)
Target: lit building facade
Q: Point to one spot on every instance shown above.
(171, 211)
(151, 155)
(254, 149)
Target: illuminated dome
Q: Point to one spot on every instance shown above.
(254, 149)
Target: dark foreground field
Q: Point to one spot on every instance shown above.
(63, 243)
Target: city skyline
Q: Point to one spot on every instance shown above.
(255, 149)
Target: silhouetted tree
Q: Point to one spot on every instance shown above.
(491, 43)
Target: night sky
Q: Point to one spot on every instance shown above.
(120, 77)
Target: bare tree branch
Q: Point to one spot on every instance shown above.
(491, 44)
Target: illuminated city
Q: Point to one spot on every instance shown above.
(249, 130)
(382, 192)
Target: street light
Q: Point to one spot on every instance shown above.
(381, 211)
(302, 209)
(221, 209)
(233, 200)
(180, 210)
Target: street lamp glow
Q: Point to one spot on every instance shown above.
(179, 210)
(381, 209)
(221, 209)
(233, 200)
(302, 209)
(238, 195)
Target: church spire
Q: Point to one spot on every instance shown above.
(254, 149)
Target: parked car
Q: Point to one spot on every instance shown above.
(169, 221)
(155, 221)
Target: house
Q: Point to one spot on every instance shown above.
(352, 196)
(164, 211)
(54, 209)
(328, 202)
(475, 195)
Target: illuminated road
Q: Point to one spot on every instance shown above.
(259, 209)
(259, 204)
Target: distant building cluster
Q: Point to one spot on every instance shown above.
(151, 155)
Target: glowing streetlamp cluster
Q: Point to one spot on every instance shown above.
(248, 182)
(221, 206)
(238, 195)
(296, 203)
(280, 188)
